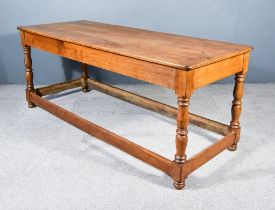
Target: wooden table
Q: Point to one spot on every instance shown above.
(181, 63)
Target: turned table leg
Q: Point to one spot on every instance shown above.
(237, 107)
(28, 74)
(84, 78)
(181, 137)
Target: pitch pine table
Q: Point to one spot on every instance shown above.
(181, 63)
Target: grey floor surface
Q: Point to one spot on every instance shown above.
(46, 163)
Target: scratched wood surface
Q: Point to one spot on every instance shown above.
(176, 51)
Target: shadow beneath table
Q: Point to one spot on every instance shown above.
(61, 94)
(71, 69)
(118, 164)
(225, 172)
(191, 128)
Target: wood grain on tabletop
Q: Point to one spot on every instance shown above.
(167, 49)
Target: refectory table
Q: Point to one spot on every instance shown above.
(181, 63)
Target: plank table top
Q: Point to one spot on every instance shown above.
(181, 52)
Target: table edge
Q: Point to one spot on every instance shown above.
(182, 67)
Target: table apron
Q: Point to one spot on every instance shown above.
(131, 67)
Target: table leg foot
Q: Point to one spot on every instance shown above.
(31, 105)
(233, 147)
(179, 185)
(85, 90)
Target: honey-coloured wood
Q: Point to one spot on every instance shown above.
(217, 71)
(145, 71)
(181, 137)
(59, 87)
(177, 51)
(181, 63)
(84, 78)
(237, 107)
(28, 74)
